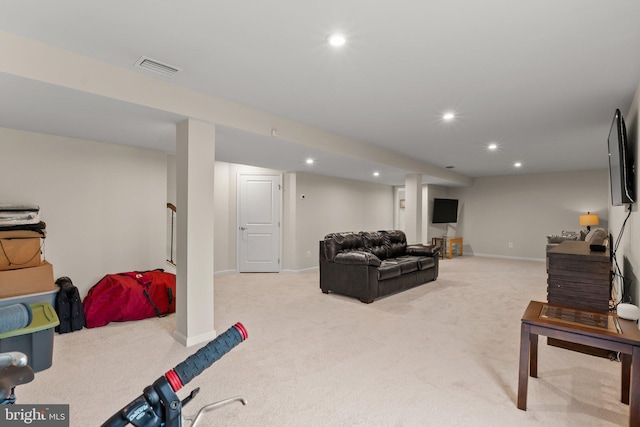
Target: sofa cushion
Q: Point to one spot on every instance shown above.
(424, 250)
(597, 236)
(554, 238)
(388, 269)
(407, 264)
(396, 242)
(374, 242)
(425, 263)
(335, 243)
(357, 258)
(566, 235)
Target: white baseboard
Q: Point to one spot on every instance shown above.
(510, 257)
(284, 271)
(215, 273)
(304, 270)
(223, 272)
(193, 340)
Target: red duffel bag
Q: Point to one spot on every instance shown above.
(128, 296)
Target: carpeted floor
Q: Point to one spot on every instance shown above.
(442, 354)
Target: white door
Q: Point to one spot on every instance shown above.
(258, 223)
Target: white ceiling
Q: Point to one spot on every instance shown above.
(540, 78)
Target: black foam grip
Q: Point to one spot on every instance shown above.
(207, 355)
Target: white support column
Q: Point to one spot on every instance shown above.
(413, 208)
(289, 227)
(195, 157)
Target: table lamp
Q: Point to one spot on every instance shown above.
(588, 220)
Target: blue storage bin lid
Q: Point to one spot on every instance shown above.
(44, 317)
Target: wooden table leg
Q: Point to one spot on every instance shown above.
(533, 355)
(625, 378)
(523, 371)
(634, 401)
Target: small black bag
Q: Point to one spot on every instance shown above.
(69, 307)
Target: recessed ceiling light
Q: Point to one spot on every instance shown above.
(376, 174)
(517, 164)
(336, 40)
(448, 116)
(309, 161)
(492, 146)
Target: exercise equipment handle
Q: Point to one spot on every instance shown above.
(174, 380)
(195, 364)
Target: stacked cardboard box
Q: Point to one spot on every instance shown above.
(23, 271)
(25, 277)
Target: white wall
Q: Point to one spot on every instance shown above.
(427, 203)
(105, 207)
(225, 211)
(524, 209)
(330, 205)
(437, 230)
(104, 204)
(333, 205)
(520, 209)
(398, 210)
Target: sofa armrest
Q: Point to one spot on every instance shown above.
(424, 250)
(357, 258)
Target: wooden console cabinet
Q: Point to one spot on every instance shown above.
(579, 277)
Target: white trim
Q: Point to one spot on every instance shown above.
(509, 257)
(224, 272)
(198, 339)
(304, 270)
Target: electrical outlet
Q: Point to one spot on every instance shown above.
(510, 245)
(308, 254)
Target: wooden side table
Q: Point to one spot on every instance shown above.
(593, 328)
(452, 242)
(440, 242)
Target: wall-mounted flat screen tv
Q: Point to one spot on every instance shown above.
(444, 211)
(621, 164)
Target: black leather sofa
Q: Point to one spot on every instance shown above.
(371, 264)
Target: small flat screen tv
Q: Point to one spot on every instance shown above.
(621, 164)
(444, 211)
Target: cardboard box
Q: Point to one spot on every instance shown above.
(20, 253)
(21, 234)
(27, 280)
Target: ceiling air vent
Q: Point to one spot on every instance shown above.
(157, 67)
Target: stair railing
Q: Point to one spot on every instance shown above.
(171, 228)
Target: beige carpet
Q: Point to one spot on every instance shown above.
(442, 354)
